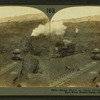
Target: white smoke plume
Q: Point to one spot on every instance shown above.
(41, 29)
(76, 30)
(58, 28)
(54, 27)
(65, 41)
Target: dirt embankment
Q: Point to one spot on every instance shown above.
(15, 33)
(67, 65)
(88, 28)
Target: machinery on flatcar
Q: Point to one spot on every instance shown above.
(96, 54)
(64, 48)
(16, 54)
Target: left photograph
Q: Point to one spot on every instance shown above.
(24, 47)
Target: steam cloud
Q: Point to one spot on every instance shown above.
(56, 28)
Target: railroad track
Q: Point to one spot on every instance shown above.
(8, 67)
(65, 78)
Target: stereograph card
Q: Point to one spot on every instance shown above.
(49, 50)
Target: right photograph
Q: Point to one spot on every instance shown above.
(75, 51)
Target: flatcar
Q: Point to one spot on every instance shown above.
(96, 54)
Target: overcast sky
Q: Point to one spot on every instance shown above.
(76, 12)
(11, 11)
(66, 13)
